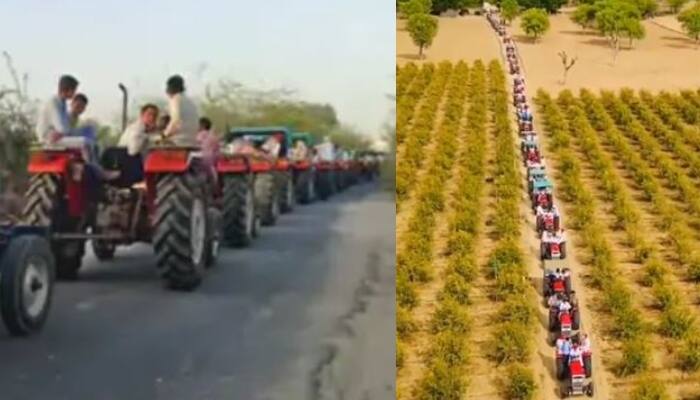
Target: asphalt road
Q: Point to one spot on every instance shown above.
(307, 312)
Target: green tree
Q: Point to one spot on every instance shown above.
(647, 8)
(422, 28)
(615, 20)
(634, 30)
(551, 6)
(509, 9)
(411, 7)
(676, 5)
(440, 6)
(534, 22)
(690, 19)
(584, 16)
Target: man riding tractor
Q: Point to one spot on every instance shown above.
(326, 170)
(547, 218)
(541, 191)
(275, 191)
(303, 167)
(166, 200)
(553, 245)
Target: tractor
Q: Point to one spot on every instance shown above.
(368, 161)
(303, 167)
(170, 200)
(552, 284)
(275, 192)
(541, 192)
(547, 219)
(553, 245)
(577, 370)
(326, 169)
(27, 270)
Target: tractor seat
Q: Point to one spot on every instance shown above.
(131, 167)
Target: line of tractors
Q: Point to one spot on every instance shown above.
(185, 207)
(573, 362)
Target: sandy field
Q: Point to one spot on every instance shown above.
(665, 59)
(461, 38)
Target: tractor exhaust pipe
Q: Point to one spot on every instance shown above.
(125, 103)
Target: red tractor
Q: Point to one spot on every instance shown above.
(172, 200)
(305, 173)
(276, 192)
(577, 369)
(175, 208)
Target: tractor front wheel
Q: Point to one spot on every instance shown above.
(26, 286)
(239, 210)
(181, 227)
(267, 199)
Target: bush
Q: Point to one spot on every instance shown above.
(676, 322)
(509, 282)
(441, 383)
(449, 347)
(457, 289)
(510, 343)
(465, 266)
(517, 309)
(636, 356)
(405, 325)
(450, 316)
(654, 271)
(520, 383)
(649, 388)
(534, 22)
(689, 354)
(406, 295)
(400, 353)
(666, 296)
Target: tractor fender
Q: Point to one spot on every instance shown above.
(167, 161)
(233, 164)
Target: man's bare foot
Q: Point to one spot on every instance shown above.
(111, 175)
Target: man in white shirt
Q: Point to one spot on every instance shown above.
(184, 117)
(53, 122)
(135, 136)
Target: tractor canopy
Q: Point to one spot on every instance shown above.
(536, 173)
(541, 184)
(258, 136)
(305, 137)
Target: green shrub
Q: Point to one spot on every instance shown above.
(519, 383)
(456, 288)
(676, 322)
(450, 316)
(518, 309)
(649, 388)
(441, 382)
(666, 296)
(508, 283)
(464, 265)
(400, 353)
(406, 295)
(510, 343)
(654, 271)
(636, 356)
(405, 325)
(449, 347)
(690, 353)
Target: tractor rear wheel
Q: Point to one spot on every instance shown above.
(42, 209)
(27, 284)
(181, 228)
(324, 185)
(239, 210)
(287, 195)
(266, 197)
(305, 186)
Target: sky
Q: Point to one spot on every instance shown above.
(338, 52)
